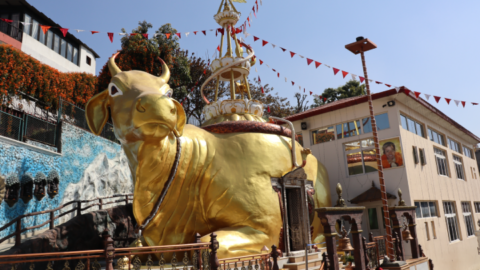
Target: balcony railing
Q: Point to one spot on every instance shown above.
(11, 30)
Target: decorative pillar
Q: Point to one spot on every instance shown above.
(214, 263)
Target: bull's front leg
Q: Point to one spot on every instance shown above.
(241, 241)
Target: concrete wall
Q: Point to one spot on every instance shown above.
(84, 52)
(49, 57)
(89, 166)
(4, 38)
(418, 183)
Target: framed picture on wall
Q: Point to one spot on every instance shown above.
(391, 153)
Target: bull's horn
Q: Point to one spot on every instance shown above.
(112, 66)
(165, 71)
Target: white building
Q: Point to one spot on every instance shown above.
(67, 54)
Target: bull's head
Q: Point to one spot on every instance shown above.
(141, 105)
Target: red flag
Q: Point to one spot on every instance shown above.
(256, 2)
(293, 83)
(253, 8)
(463, 103)
(448, 100)
(204, 71)
(268, 109)
(218, 48)
(46, 27)
(204, 32)
(344, 73)
(259, 80)
(388, 85)
(309, 61)
(93, 32)
(195, 32)
(473, 103)
(283, 49)
(324, 99)
(132, 34)
(407, 92)
(378, 82)
(303, 90)
(264, 42)
(179, 35)
(292, 54)
(261, 62)
(64, 31)
(167, 35)
(110, 36)
(310, 93)
(278, 75)
(145, 35)
(437, 99)
(335, 71)
(263, 91)
(317, 64)
(255, 38)
(221, 30)
(274, 70)
(417, 94)
(248, 19)
(361, 79)
(6, 20)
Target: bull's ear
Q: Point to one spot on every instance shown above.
(97, 112)
(181, 119)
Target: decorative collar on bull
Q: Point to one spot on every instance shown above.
(218, 181)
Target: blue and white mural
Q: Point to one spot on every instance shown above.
(89, 166)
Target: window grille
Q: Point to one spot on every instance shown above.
(451, 219)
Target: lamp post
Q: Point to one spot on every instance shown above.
(361, 46)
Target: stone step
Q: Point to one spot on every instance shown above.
(301, 265)
(301, 258)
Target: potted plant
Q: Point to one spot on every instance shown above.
(348, 260)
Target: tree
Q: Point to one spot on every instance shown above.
(279, 106)
(352, 88)
(301, 104)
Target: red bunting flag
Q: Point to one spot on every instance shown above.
(133, 34)
(110, 36)
(324, 99)
(293, 83)
(437, 99)
(256, 2)
(145, 35)
(6, 20)
(248, 19)
(64, 31)
(195, 32)
(463, 103)
(407, 92)
(255, 38)
(261, 62)
(167, 35)
(264, 42)
(262, 90)
(292, 54)
(378, 82)
(448, 100)
(95, 32)
(259, 80)
(303, 90)
(218, 48)
(204, 71)
(221, 30)
(344, 73)
(45, 28)
(335, 71)
(361, 79)
(309, 61)
(268, 109)
(283, 49)
(278, 75)
(204, 32)
(310, 93)
(388, 85)
(473, 103)
(417, 94)
(274, 70)
(317, 64)
(253, 8)
(179, 35)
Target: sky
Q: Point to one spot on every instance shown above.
(428, 46)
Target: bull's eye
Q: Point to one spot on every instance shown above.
(169, 93)
(114, 91)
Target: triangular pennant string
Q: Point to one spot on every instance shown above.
(427, 96)
(145, 35)
(335, 71)
(264, 42)
(64, 31)
(261, 62)
(362, 79)
(167, 35)
(344, 73)
(95, 32)
(437, 99)
(309, 61)
(45, 28)
(110, 36)
(407, 92)
(255, 38)
(457, 102)
(292, 54)
(448, 100)
(293, 83)
(417, 94)
(179, 35)
(204, 32)
(317, 64)
(283, 49)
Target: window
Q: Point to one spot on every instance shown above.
(56, 44)
(451, 219)
(381, 120)
(423, 160)
(361, 157)
(320, 135)
(467, 152)
(436, 137)
(433, 230)
(27, 26)
(412, 126)
(454, 146)
(477, 207)
(442, 166)
(426, 209)
(300, 138)
(89, 62)
(458, 167)
(75, 61)
(415, 154)
(35, 27)
(426, 231)
(50, 39)
(467, 215)
(475, 173)
(63, 47)
(349, 129)
(41, 36)
(372, 218)
(69, 51)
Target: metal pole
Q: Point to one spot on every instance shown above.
(386, 215)
(306, 256)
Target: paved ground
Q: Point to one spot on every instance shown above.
(9, 244)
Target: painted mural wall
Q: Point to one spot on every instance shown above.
(89, 166)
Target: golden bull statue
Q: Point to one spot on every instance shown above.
(208, 182)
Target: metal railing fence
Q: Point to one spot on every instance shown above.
(11, 30)
(39, 130)
(11, 126)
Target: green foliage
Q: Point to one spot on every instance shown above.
(352, 88)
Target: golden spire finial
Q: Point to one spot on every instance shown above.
(401, 202)
(340, 201)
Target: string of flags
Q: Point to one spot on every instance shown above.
(110, 35)
(345, 73)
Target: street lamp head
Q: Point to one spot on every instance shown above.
(361, 45)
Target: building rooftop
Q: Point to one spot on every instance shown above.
(347, 102)
(48, 21)
(371, 195)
